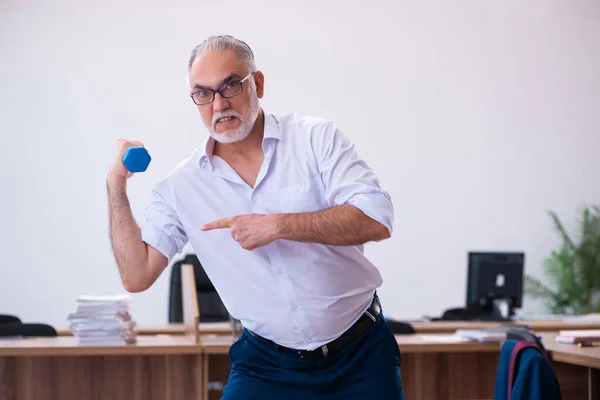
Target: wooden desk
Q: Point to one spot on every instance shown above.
(430, 370)
(157, 367)
(572, 354)
(224, 328)
(586, 357)
(174, 367)
(466, 370)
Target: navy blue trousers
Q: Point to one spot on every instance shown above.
(366, 368)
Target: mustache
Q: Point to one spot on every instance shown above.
(224, 114)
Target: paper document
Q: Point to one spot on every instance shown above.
(103, 320)
(444, 338)
(482, 335)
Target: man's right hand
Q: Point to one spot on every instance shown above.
(118, 172)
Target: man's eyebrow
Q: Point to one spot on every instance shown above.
(229, 78)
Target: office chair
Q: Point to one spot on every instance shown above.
(525, 371)
(27, 330)
(210, 305)
(400, 328)
(9, 319)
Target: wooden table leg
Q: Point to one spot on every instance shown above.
(205, 369)
(593, 383)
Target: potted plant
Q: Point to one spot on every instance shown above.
(573, 269)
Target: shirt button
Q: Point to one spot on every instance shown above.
(294, 307)
(279, 271)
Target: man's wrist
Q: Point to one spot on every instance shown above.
(116, 183)
(281, 225)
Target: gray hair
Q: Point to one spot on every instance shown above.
(218, 43)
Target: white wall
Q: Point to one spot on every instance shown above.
(478, 116)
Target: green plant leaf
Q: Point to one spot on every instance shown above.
(588, 253)
(561, 230)
(535, 288)
(573, 269)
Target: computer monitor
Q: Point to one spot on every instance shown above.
(495, 283)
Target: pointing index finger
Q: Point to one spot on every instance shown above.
(218, 224)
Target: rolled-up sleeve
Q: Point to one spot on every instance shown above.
(162, 228)
(348, 178)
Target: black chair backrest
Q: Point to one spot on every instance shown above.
(527, 336)
(9, 319)
(519, 332)
(27, 330)
(400, 328)
(210, 305)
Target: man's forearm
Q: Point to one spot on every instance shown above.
(343, 225)
(131, 254)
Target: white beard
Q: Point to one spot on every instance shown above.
(246, 124)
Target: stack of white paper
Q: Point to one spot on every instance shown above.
(482, 335)
(103, 320)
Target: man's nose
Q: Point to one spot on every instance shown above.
(220, 103)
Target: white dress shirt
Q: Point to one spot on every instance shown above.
(300, 295)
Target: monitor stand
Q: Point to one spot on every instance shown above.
(502, 308)
(495, 310)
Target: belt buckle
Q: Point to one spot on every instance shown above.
(325, 350)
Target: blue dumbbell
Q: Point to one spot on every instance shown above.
(136, 159)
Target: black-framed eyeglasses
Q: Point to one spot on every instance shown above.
(226, 90)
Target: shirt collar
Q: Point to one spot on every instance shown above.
(272, 131)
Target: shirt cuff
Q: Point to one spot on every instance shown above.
(159, 240)
(376, 206)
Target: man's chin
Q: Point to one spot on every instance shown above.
(228, 136)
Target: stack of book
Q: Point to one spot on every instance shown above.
(99, 320)
(482, 335)
(584, 337)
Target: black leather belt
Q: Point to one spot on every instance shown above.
(364, 323)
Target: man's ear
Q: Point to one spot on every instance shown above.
(259, 78)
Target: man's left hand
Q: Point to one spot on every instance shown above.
(250, 231)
